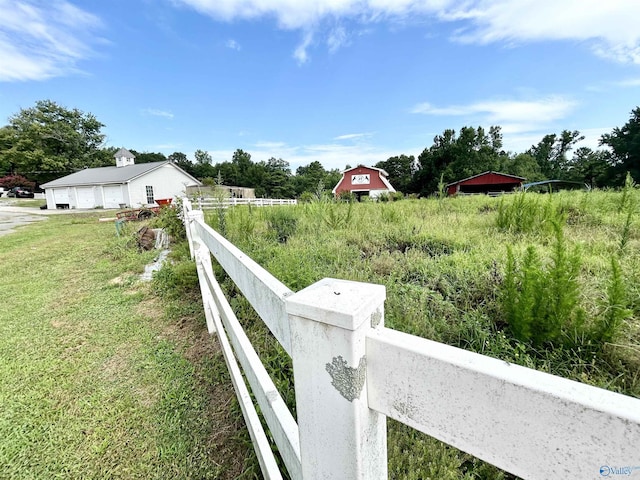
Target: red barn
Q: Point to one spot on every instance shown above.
(363, 180)
(487, 182)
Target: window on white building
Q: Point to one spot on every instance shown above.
(150, 198)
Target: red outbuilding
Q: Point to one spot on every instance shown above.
(363, 180)
(487, 182)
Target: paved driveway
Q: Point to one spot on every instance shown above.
(12, 217)
(9, 220)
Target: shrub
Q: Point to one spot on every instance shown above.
(176, 278)
(335, 216)
(11, 181)
(283, 223)
(540, 301)
(306, 197)
(526, 213)
(346, 196)
(395, 196)
(616, 312)
(170, 218)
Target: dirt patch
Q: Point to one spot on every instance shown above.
(203, 346)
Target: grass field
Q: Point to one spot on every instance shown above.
(100, 377)
(550, 282)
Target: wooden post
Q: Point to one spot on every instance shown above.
(340, 437)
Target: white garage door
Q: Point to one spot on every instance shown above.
(61, 196)
(113, 196)
(86, 198)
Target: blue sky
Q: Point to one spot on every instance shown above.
(338, 81)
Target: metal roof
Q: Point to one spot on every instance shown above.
(384, 172)
(486, 173)
(551, 182)
(105, 175)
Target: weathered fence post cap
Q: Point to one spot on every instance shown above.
(341, 303)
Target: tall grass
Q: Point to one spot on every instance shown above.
(526, 278)
(540, 300)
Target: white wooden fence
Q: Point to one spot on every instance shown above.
(351, 373)
(210, 202)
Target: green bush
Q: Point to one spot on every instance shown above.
(176, 278)
(170, 218)
(346, 196)
(282, 222)
(306, 197)
(616, 311)
(540, 301)
(527, 213)
(336, 216)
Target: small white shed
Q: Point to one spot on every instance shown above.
(126, 183)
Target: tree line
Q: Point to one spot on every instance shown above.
(48, 141)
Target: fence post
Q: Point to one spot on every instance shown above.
(192, 236)
(340, 437)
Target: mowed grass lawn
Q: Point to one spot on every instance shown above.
(96, 379)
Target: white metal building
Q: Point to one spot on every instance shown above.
(126, 184)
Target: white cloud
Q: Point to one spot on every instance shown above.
(39, 41)
(515, 116)
(609, 26)
(300, 53)
(270, 145)
(520, 142)
(330, 155)
(157, 113)
(629, 82)
(233, 45)
(353, 136)
(172, 147)
(337, 38)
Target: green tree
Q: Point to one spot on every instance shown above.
(202, 157)
(310, 176)
(591, 167)
(522, 165)
(148, 157)
(400, 169)
(625, 147)
(453, 157)
(277, 179)
(48, 141)
(202, 167)
(551, 153)
(6, 142)
(181, 160)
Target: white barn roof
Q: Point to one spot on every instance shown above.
(105, 175)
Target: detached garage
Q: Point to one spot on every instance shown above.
(125, 184)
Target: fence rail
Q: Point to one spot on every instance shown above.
(211, 202)
(351, 373)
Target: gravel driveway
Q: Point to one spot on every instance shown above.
(10, 220)
(12, 217)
